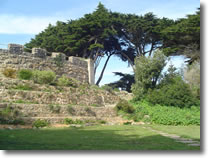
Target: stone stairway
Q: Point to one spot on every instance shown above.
(54, 104)
(58, 113)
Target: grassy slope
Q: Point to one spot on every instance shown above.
(89, 138)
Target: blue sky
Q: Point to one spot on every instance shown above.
(21, 20)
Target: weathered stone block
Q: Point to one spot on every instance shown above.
(58, 54)
(15, 48)
(39, 52)
(78, 61)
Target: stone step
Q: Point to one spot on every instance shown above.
(46, 110)
(78, 98)
(54, 120)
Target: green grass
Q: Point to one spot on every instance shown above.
(192, 132)
(88, 138)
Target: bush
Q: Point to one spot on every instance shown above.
(25, 74)
(70, 121)
(167, 115)
(43, 77)
(40, 123)
(124, 106)
(10, 115)
(177, 93)
(9, 72)
(65, 81)
(102, 121)
(25, 87)
(107, 88)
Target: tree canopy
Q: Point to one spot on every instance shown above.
(127, 36)
(183, 37)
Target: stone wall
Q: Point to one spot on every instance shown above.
(15, 58)
(57, 113)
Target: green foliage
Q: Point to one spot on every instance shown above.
(127, 36)
(59, 60)
(43, 77)
(127, 123)
(167, 115)
(102, 121)
(177, 93)
(70, 121)
(192, 76)
(70, 109)
(25, 74)
(124, 83)
(124, 106)
(25, 87)
(9, 72)
(40, 123)
(148, 70)
(95, 105)
(65, 81)
(183, 37)
(107, 88)
(10, 115)
(55, 108)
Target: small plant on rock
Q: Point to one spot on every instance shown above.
(25, 87)
(44, 77)
(9, 72)
(124, 106)
(55, 108)
(40, 123)
(25, 74)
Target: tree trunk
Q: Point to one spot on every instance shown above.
(101, 75)
(130, 62)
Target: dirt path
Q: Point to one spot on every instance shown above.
(177, 138)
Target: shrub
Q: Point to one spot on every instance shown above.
(177, 93)
(9, 72)
(9, 115)
(166, 115)
(124, 106)
(25, 74)
(107, 88)
(102, 121)
(68, 121)
(65, 81)
(127, 123)
(40, 123)
(43, 77)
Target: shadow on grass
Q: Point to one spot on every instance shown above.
(89, 138)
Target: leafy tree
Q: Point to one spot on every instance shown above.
(148, 71)
(192, 77)
(127, 36)
(124, 83)
(183, 37)
(143, 33)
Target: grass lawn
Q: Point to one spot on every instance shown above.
(192, 132)
(88, 138)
